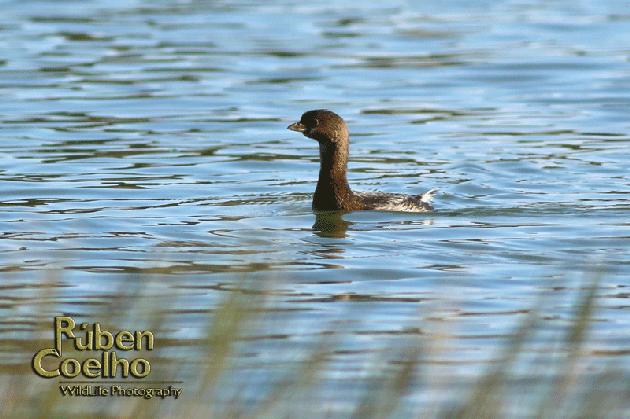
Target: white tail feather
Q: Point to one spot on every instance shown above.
(428, 196)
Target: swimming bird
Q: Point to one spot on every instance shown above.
(333, 191)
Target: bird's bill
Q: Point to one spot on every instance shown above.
(297, 126)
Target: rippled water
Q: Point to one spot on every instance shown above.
(149, 137)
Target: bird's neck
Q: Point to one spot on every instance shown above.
(333, 191)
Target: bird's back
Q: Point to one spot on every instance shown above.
(382, 201)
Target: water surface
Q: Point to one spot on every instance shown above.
(149, 137)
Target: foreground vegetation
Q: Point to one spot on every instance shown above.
(222, 379)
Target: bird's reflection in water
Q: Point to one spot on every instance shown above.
(331, 224)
